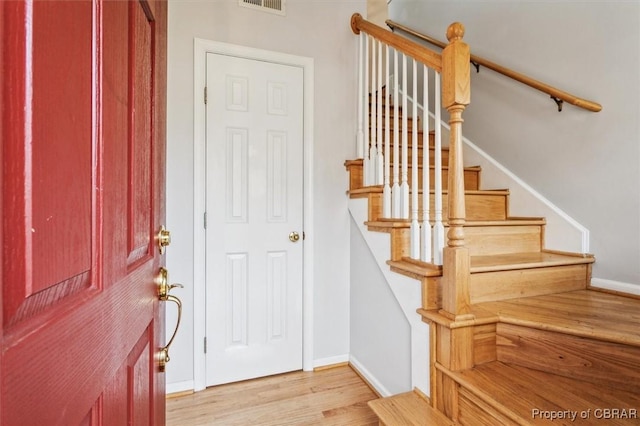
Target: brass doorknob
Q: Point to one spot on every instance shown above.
(164, 239)
(294, 236)
(163, 285)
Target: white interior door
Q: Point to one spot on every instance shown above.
(254, 202)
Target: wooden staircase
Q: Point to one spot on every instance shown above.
(538, 346)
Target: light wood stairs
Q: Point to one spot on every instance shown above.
(542, 343)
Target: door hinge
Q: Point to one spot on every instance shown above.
(205, 95)
(205, 220)
(205, 344)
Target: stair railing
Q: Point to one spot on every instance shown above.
(558, 96)
(451, 71)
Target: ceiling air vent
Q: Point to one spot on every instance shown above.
(272, 6)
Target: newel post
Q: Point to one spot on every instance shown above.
(455, 97)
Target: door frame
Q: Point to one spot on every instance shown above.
(200, 49)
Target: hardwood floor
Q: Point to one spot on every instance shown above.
(335, 396)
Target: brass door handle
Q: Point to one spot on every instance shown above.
(164, 352)
(163, 294)
(294, 236)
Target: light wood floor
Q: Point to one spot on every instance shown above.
(336, 396)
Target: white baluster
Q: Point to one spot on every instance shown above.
(386, 190)
(367, 135)
(404, 185)
(360, 134)
(415, 225)
(395, 189)
(425, 252)
(380, 157)
(438, 228)
(373, 157)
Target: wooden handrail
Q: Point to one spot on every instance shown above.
(402, 44)
(556, 94)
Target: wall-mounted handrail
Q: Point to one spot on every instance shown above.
(559, 96)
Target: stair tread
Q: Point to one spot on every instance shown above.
(430, 145)
(407, 409)
(366, 190)
(406, 223)
(511, 261)
(517, 391)
(415, 268)
(360, 161)
(431, 166)
(378, 188)
(585, 313)
(499, 262)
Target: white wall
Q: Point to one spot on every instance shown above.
(317, 29)
(587, 164)
(380, 333)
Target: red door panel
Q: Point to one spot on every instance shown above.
(140, 208)
(61, 152)
(82, 133)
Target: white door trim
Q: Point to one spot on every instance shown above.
(200, 49)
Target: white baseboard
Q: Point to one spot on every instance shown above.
(370, 378)
(616, 286)
(176, 387)
(332, 360)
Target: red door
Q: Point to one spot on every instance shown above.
(82, 175)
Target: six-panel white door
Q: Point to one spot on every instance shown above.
(254, 201)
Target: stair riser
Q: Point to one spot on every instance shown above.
(392, 123)
(503, 285)
(409, 139)
(478, 206)
(461, 404)
(480, 239)
(444, 157)
(474, 241)
(473, 411)
(444, 162)
(471, 178)
(491, 240)
(586, 359)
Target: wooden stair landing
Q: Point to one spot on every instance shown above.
(586, 335)
(500, 394)
(584, 313)
(408, 409)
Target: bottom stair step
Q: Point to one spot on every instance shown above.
(407, 409)
(501, 394)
